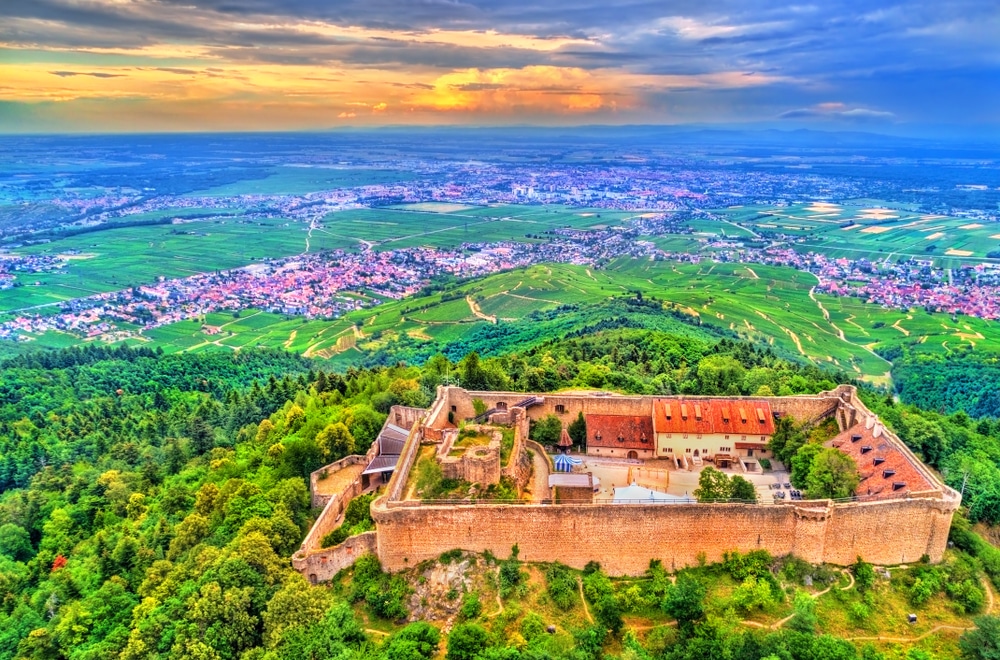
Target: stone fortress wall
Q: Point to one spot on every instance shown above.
(320, 564)
(625, 537)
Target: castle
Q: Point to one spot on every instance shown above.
(900, 512)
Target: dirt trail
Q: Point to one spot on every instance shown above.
(840, 333)
(753, 274)
(586, 610)
(478, 313)
(291, 338)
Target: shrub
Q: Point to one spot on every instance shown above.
(471, 606)
(753, 594)
(466, 641)
(510, 573)
(864, 575)
(685, 601)
(560, 584)
(417, 640)
(982, 643)
(384, 594)
(805, 613)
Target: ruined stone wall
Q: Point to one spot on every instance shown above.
(322, 566)
(518, 467)
(321, 500)
(541, 481)
(625, 537)
(330, 517)
(461, 401)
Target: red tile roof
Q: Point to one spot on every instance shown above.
(883, 467)
(605, 431)
(737, 416)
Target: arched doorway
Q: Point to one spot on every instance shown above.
(696, 452)
(634, 455)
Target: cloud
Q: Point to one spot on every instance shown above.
(638, 60)
(346, 115)
(93, 74)
(839, 111)
(379, 107)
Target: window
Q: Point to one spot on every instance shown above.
(727, 437)
(669, 450)
(501, 405)
(725, 449)
(454, 408)
(560, 408)
(763, 438)
(668, 435)
(699, 436)
(688, 450)
(744, 438)
(685, 436)
(749, 452)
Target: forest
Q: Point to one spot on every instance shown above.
(149, 504)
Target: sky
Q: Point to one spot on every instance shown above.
(248, 65)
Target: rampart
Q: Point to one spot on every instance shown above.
(320, 564)
(625, 537)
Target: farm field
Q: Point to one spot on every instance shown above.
(251, 328)
(872, 232)
(772, 305)
(120, 257)
(299, 180)
(436, 224)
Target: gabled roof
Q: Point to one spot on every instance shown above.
(620, 431)
(384, 463)
(885, 470)
(737, 416)
(391, 439)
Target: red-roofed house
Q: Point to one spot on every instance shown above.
(623, 436)
(718, 429)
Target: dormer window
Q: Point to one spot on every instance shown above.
(888, 473)
(866, 449)
(878, 461)
(898, 485)
(855, 438)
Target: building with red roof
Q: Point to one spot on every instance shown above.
(621, 436)
(720, 429)
(887, 469)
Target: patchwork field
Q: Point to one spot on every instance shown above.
(300, 180)
(873, 232)
(772, 305)
(120, 257)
